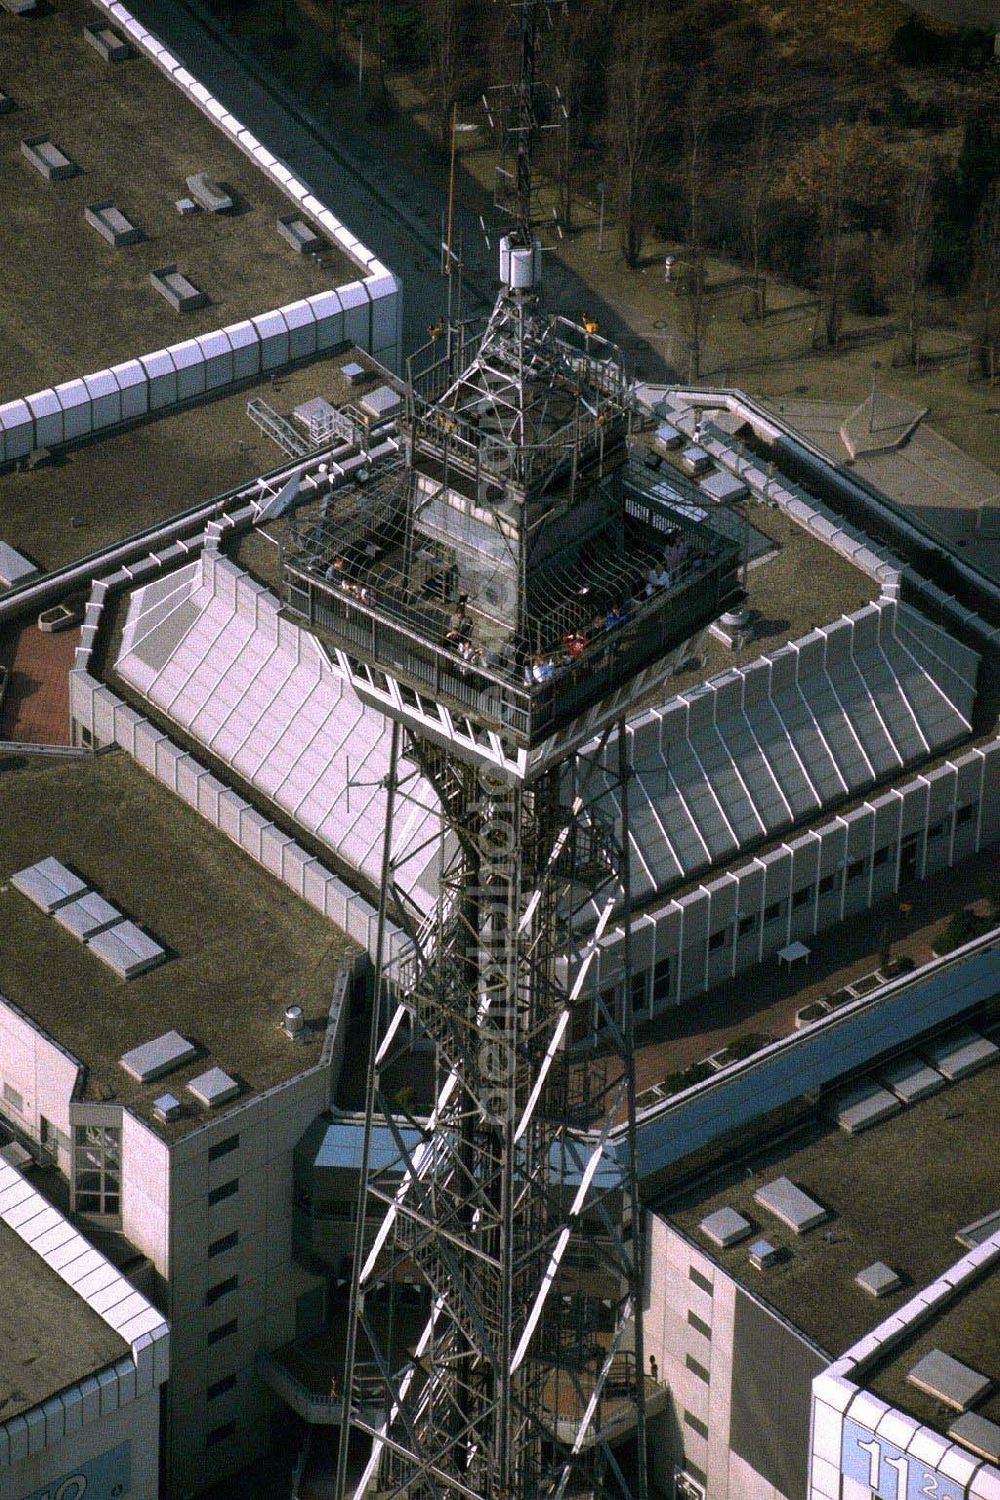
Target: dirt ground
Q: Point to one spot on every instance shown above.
(771, 358)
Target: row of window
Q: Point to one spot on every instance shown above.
(750, 924)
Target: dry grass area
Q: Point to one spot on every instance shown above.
(894, 1196)
(52, 1338)
(73, 304)
(103, 491)
(769, 358)
(240, 945)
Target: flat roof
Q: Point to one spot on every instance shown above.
(50, 1338)
(965, 1329)
(898, 1193)
(799, 584)
(109, 487)
(74, 305)
(240, 945)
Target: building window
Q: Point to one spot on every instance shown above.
(693, 1472)
(97, 1174)
(227, 1242)
(342, 1209)
(828, 884)
(936, 830)
(803, 897)
(224, 1190)
(223, 1148)
(696, 1424)
(881, 856)
(220, 1434)
(718, 939)
(221, 1289)
(772, 912)
(216, 1335)
(695, 1276)
(220, 1387)
(639, 1000)
(52, 1137)
(661, 979)
(748, 924)
(696, 1368)
(13, 1098)
(855, 869)
(699, 1324)
(965, 814)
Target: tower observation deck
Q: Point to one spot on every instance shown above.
(503, 594)
(513, 570)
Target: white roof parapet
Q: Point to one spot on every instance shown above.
(73, 1259)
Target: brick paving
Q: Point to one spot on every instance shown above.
(35, 708)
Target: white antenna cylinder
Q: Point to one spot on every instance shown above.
(520, 266)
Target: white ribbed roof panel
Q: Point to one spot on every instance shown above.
(72, 393)
(103, 383)
(215, 344)
(262, 696)
(185, 354)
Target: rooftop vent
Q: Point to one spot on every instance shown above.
(862, 1107)
(962, 1053)
(213, 1088)
(878, 1279)
(381, 402)
(791, 1205)
(910, 1079)
(160, 1056)
(166, 1109)
(764, 1254)
(353, 372)
(126, 949)
(977, 1433)
(88, 915)
(48, 884)
(980, 1230)
(293, 1022)
(948, 1380)
(725, 1227)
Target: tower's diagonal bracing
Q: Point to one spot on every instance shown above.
(505, 597)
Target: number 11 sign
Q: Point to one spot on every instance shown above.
(889, 1472)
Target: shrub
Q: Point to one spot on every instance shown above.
(961, 928)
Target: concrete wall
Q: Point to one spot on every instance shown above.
(688, 1328)
(41, 1073)
(262, 1138)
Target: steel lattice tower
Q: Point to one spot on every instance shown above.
(485, 598)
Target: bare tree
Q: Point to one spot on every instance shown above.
(570, 72)
(847, 179)
(916, 213)
(635, 117)
(758, 179)
(984, 288)
(699, 117)
(442, 24)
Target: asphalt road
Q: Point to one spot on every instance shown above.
(380, 200)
